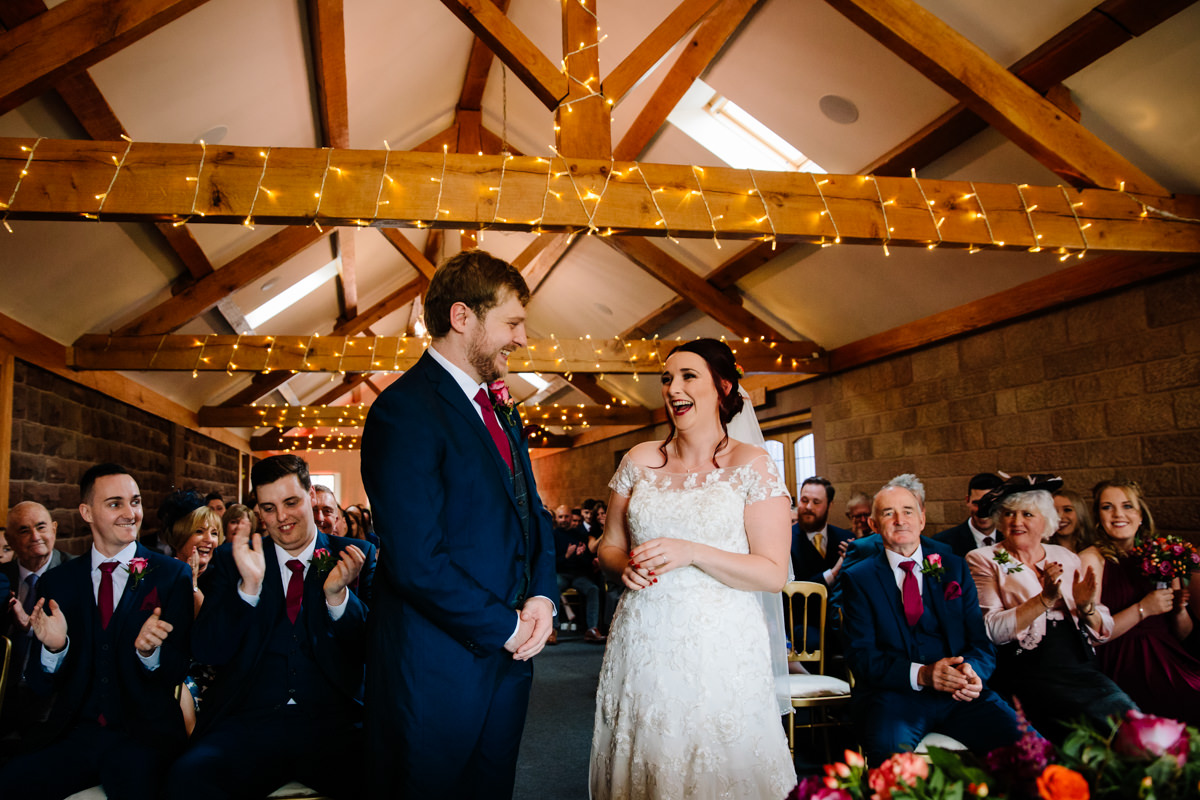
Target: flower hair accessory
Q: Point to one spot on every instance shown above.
(741, 373)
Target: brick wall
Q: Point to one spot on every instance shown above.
(1107, 387)
(61, 428)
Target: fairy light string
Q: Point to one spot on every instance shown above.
(441, 182)
(249, 220)
(766, 211)
(1028, 209)
(712, 221)
(937, 225)
(887, 229)
(662, 220)
(837, 235)
(103, 197)
(321, 190)
(1075, 215)
(982, 213)
(20, 177)
(382, 178)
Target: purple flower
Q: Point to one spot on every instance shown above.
(1148, 737)
(1165, 568)
(814, 788)
(1177, 549)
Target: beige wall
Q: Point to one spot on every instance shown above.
(1107, 387)
(345, 464)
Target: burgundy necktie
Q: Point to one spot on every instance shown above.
(295, 590)
(493, 426)
(105, 597)
(988, 541)
(913, 606)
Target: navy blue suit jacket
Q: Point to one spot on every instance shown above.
(232, 635)
(959, 538)
(452, 551)
(880, 646)
(147, 698)
(807, 562)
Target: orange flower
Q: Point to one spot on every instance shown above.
(1060, 783)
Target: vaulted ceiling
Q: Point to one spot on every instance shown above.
(1101, 100)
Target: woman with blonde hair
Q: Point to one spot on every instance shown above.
(1074, 521)
(1145, 654)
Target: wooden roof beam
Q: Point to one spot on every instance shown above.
(388, 305)
(541, 256)
(995, 94)
(327, 33)
(479, 66)
(347, 282)
(697, 55)
(541, 75)
(410, 252)
(582, 122)
(634, 67)
(353, 416)
(65, 177)
(73, 36)
(351, 354)
(1080, 44)
(210, 290)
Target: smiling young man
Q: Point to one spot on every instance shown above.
(466, 552)
(915, 640)
(284, 623)
(113, 632)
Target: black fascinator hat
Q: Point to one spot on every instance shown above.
(178, 505)
(1016, 485)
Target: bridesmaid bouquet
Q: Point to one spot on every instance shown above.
(1166, 558)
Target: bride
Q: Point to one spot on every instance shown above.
(698, 526)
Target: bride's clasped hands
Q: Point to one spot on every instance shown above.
(657, 557)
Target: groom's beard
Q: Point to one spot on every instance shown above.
(482, 360)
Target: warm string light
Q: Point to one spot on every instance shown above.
(161, 339)
(887, 230)
(1028, 209)
(1082, 235)
(195, 180)
(937, 225)
(383, 177)
(321, 190)
(662, 220)
(1148, 209)
(712, 221)
(270, 349)
(837, 235)
(249, 220)
(24, 171)
(499, 190)
(983, 213)
(199, 357)
(441, 182)
(229, 365)
(103, 197)
(547, 193)
(766, 211)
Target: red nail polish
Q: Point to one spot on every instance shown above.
(656, 580)
(651, 572)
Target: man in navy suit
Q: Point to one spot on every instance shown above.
(466, 551)
(284, 625)
(915, 640)
(113, 632)
(817, 546)
(978, 529)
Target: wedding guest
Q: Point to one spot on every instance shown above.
(1074, 521)
(1041, 610)
(915, 639)
(574, 568)
(6, 552)
(33, 534)
(977, 530)
(239, 520)
(601, 514)
(113, 629)
(283, 624)
(858, 511)
(1144, 655)
(817, 546)
(326, 511)
(362, 521)
(216, 502)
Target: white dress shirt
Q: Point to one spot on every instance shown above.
(979, 535)
(120, 577)
(285, 575)
(827, 575)
(894, 561)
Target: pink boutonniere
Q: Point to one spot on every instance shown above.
(322, 560)
(503, 403)
(138, 569)
(932, 566)
(151, 602)
(953, 590)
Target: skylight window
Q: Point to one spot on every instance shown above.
(292, 295)
(537, 381)
(726, 130)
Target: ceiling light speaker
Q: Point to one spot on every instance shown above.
(838, 109)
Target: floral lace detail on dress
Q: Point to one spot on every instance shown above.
(758, 479)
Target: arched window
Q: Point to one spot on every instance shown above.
(806, 459)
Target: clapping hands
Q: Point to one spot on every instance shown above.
(250, 562)
(344, 573)
(49, 625)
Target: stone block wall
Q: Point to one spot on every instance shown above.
(1103, 388)
(61, 428)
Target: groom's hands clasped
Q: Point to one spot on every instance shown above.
(537, 621)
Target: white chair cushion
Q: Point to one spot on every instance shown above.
(816, 686)
(294, 789)
(939, 740)
(94, 793)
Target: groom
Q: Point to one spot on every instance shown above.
(466, 561)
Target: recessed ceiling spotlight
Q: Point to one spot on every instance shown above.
(212, 135)
(838, 109)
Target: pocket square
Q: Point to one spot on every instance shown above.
(953, 590)
(151, 601)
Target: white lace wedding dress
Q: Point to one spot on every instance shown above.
(686, 705)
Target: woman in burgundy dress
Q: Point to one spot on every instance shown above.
(1145, 654)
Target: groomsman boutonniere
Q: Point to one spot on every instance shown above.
(932, 566)
(322, 560)
(138, 569)
(504, 404)
(1006, 562)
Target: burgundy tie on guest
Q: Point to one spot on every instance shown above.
(493, 426)
(913, 605)
(295, 590)
(105, 596)
(988, 541)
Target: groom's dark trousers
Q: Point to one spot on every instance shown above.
(464, 542)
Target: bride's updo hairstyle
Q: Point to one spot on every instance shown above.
(723, 368)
